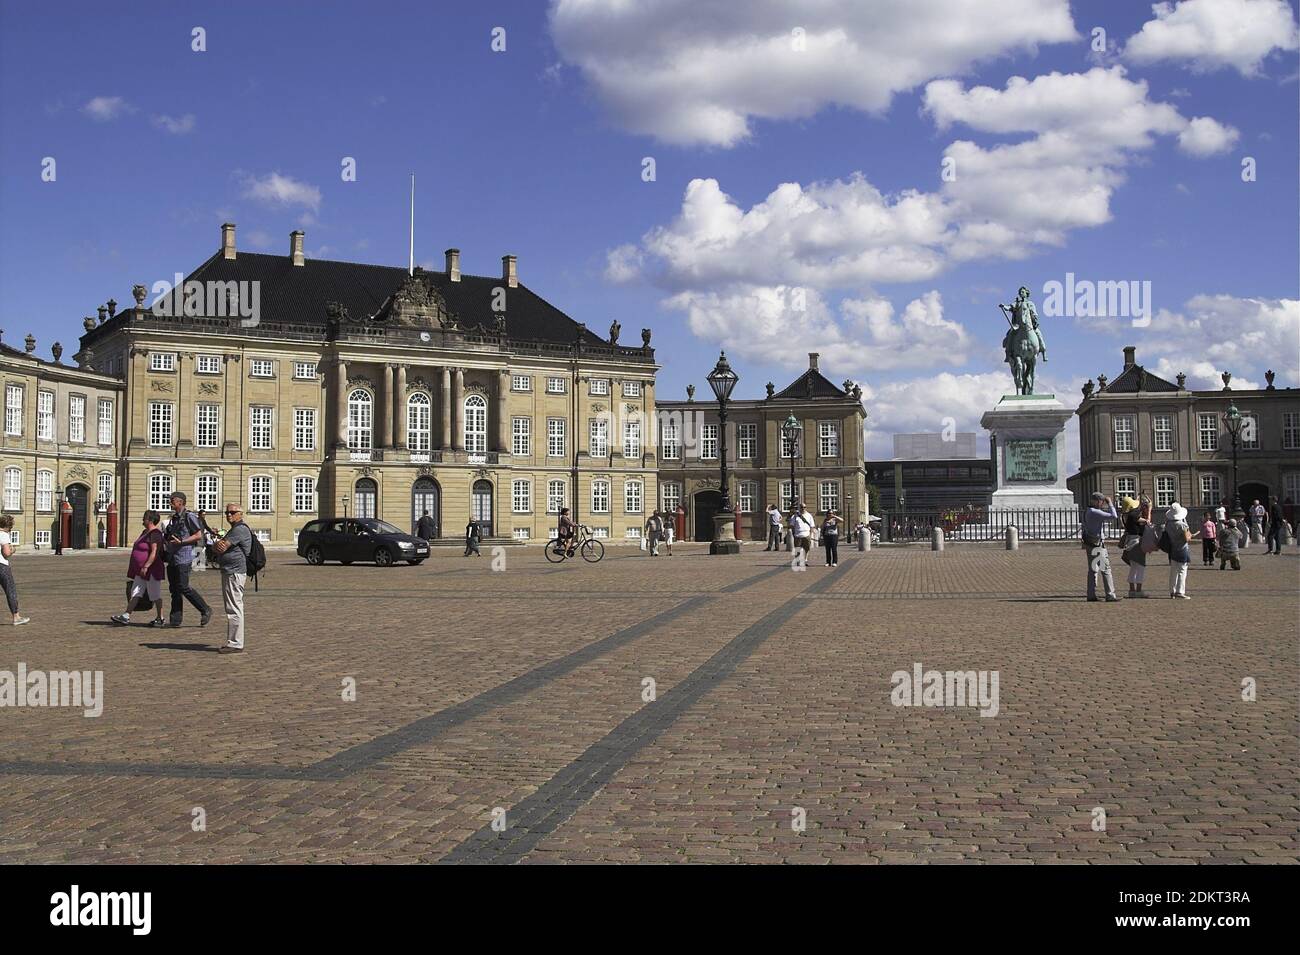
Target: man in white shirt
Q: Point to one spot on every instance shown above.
(773, 528)
(801, 525)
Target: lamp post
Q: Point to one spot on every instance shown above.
(345, 499)
(722, 380)
(1232, 420)
(791, 430)
(58, 520)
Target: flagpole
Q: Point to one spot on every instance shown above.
(410, 268)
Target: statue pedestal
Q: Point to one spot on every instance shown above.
(724, 534)
(1028, 435)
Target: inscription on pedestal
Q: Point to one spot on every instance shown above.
(1030, 460)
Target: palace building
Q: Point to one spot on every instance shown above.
(827, 457)
(306, 388)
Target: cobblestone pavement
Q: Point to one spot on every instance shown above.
(522, 690)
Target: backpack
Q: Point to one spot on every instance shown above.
(255, 559)
(1165, 544)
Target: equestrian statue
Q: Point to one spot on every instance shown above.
(1023, 342)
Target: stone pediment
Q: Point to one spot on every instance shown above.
(417, 303)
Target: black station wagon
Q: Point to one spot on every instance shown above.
(364, 539)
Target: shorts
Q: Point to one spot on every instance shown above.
(150, 586)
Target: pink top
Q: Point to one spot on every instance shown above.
(1209, 531)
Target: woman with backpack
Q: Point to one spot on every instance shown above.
(1175, 542)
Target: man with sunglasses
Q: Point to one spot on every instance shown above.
(232, 556)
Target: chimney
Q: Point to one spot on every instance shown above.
(295, 246)
(453, 265)
(227, 240)
(812, 360)
(1130, 356)
(509, 271)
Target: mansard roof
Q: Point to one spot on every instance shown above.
(811, 384)
(1135, 378)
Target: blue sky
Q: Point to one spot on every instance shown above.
(1116, 165)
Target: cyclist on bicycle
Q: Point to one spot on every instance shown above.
(567, 532)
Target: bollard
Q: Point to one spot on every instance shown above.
(936, 538)
(1013, 538)
(864, 539)
(789, 540)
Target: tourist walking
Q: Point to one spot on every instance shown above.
(831, 538)
(1257, 517)
(6, 572)
(233, 550)
(654, 527)
(1178, 536)
(801, 526)
(473, 534)
(1228, 543)
(145, 571)
(1095, 519)
(181, 540)
(1136, 523)
(670, 533)
(773, 528)
(425, 529)
(1209, 535)
(1276, 521)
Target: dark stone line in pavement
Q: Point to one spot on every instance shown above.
(568, 790)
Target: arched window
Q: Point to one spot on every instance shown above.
(366, 498)
(476, 424)
(417, 422)
(360, 416)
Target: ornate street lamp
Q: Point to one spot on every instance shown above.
(1232, 420)
(723, 380)
(58, 520)
(791, 431)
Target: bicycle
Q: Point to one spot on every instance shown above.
(584, 543)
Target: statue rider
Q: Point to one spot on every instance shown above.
(1023, 313)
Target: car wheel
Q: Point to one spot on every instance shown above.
(383, 557)
(315, 556)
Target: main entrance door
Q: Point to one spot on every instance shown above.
(425, 497)
(481, 506)
(707, 504)
(79, 498)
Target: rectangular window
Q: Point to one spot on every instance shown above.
(599, 386)
(521, 383)
(632, 497)
(207, 425)
(304, 494)
(160, 424)
(207, 493)
(555, 496)
(45, 490)
(1166, 491)
(77, 418)
(13, 489)
(44, 416)
(748, 440)
(160, 492)
(1207, 426)
(600, 497)
(304, 429)
(670, 493)
(1162, 432)
(631, 389)
(521, 436)
(828, 439)
(304, 370)
(1126, 487)
(208, 364)
(1211, 490)
(42, 538)
(1123, 426)
(261, 368)
(670, 440)
(555, 386)
(632, 438)
(259, 494)
(830, 495)
(13, 409)
(709, 442)
(162, 361)
(259, 428)
(105, 421)
(1291, 486)
(1291, 430)
(105, 488)
(555, 437)
(521, 497)
(1250, 432)
(748, 496)
(521, 533)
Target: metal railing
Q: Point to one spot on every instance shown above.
(987, 524)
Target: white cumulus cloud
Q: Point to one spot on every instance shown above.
(103, 109)
(176, 125)
(277, 190)
(1215, 34)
